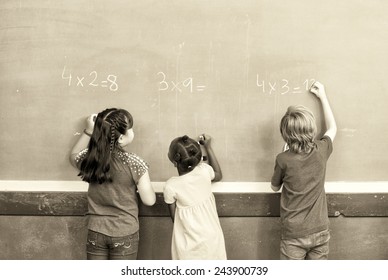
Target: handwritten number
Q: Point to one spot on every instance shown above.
(285, 87)
(112, 79)
(188, 82)
(64, 77)
(262, 83)
(163, 82)
(94, 73)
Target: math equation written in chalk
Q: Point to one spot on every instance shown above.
(283, 86)
(91, 79)
(187, 84)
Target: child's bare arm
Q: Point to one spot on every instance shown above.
(171, 208)
(146, 191)
(84, 139)
(331, 127)
(213, 162)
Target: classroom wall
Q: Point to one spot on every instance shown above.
(63, 238)
(43, 226)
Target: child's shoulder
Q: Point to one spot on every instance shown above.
(204, 165)
(132, 159)
(286, 155)
(325, 139)
(80, 155)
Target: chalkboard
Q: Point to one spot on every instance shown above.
(224, 67)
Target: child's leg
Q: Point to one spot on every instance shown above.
(293, 249)
(321, 249)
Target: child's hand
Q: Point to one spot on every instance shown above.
(204, 139)
(318, 89)
(90, 123)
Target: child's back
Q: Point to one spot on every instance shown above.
(193, 187)
(300, 172)
(197, 232)
(303, 201)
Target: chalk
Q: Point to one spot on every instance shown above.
(201, 139)
(312, 85)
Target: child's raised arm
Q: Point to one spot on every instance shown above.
(84, 139)
(213, 162)
(331, 127)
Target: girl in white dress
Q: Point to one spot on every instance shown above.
(197, 232)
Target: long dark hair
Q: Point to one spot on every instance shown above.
(186, 152)
(108, 126)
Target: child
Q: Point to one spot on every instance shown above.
(114, 176)
(197, 232)
(300, 170)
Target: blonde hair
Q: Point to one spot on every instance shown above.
(298, 129)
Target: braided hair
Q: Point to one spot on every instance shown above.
(109, 125)
(186, 152)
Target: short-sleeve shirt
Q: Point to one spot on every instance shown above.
(191, 188)
(197, 231)
(113, 206)
(303, 206)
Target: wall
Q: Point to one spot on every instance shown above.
(51, 225)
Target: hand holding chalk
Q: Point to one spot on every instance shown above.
(318, 89)
(90, 123)
(204, 139)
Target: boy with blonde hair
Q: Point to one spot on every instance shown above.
(300, 172)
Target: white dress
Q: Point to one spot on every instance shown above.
(197, 232)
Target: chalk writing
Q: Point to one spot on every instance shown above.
(283, 86)
(91, 80)
(186, 84)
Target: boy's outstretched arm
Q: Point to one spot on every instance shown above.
(331, 127)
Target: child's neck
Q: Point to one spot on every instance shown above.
(180, 172)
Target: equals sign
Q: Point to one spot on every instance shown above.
(296, 90)
(201, 88)
(104, 84)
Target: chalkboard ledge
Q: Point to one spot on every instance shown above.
(219, 187)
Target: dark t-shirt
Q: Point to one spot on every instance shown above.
(113, 206)
(303, 206)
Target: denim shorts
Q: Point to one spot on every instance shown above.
(103, 247)
(311, 247)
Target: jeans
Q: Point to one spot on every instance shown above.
(311, 247)
(103, 247)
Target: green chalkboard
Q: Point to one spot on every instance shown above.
(224, 67)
